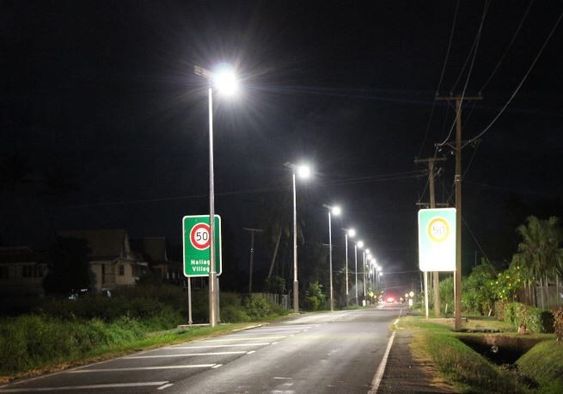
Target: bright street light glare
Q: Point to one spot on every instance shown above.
(303, 171)
(351, 233)
(225, 81)
(360, 244)
(367, 251)
(336, 210)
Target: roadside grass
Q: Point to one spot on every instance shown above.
(60, 333)
(35, 363)
(471, 372)
(544, 362)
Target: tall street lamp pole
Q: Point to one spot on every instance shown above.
(359, 244)
(347, 233)
(336, 211)
(303, 171)
(226, 81)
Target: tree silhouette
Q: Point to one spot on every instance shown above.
(69, 266)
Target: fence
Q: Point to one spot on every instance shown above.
(278, 299)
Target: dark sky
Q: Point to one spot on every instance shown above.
(105, 121)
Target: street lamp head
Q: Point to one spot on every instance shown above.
(360, 244)
(336, 210)
(367, 251)
(303, 171)
(351, 233)
(225, 81)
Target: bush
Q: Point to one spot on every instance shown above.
(233, 314)
(535, 319)
(257, 307)
(33, 340)
(315, 298)
(558, 323)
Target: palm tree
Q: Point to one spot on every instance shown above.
(539, 253)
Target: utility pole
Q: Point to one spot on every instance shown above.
(251, 263)
(457, 179)
(436, 274)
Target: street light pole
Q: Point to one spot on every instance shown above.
(364, 269)
(348, 233)
(226, 81)
(346, 265)
(330, 259)
(295, 282)
(212, 274)
(335, 209)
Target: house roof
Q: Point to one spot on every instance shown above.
(152, 248)
(103, 244)
(18, 254)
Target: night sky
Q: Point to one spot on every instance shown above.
(104, 125)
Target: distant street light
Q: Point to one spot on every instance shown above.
(336, 211)
(224, 80)
(351, 233)
(303, 171)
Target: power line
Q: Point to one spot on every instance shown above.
(520, 84)
(452, 30)
(507, 49)
(372, 179)
(476, 46)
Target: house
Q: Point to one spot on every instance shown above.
(111, 258)
(21, 272)
(154, 251)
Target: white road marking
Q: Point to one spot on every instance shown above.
(165, 386)
(142, 368)
(247, 339)
(250, 352)
(185, 355)
(217, 366)
(219, 346)
(282, 378)
(381, 368)
(85, 387)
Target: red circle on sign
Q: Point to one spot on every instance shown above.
(199, 236)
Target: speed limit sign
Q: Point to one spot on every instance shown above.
(436, 239)
(196, 241)
(199, 236)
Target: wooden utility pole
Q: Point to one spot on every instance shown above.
(435, 274)
(457, 179)
(251, 263)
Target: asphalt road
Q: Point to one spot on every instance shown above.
(336, 352)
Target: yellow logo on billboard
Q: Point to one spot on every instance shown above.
(438, 229)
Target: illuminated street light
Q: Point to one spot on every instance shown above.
(225, 82)
(336, 211)
(302, 171)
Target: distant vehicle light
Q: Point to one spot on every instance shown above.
(390, 300)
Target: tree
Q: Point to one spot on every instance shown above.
(479, 288)
(539, 255)
(69, 266)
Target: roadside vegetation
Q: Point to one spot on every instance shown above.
(62, 332)
(538, 370)
(513, 320)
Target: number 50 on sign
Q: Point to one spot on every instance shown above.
(196, 240)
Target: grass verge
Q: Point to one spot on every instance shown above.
(34, 364)
(468, 371)
(544, 362)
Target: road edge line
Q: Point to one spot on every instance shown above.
(378, 377)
